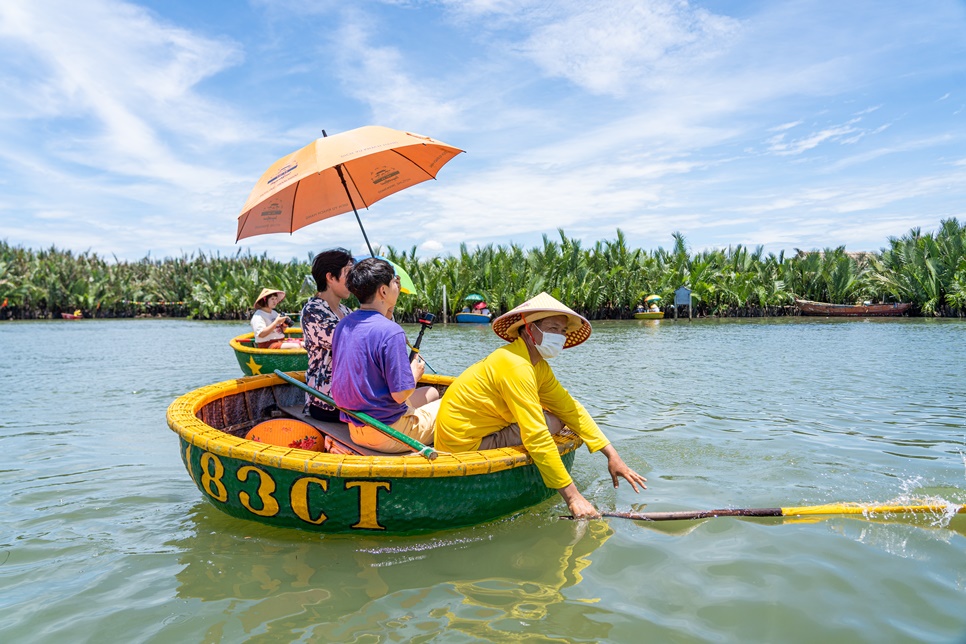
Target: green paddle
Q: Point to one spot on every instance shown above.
(423, 450)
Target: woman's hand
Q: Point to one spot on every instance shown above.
(419, 367)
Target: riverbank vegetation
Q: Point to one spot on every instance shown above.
(606, 280)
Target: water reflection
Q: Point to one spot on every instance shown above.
(489, 581)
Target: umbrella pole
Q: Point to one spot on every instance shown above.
(338, 169)
(345, 186)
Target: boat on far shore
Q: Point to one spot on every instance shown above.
(891, 309)
(475, 310)
(472, 318)
(650, 309)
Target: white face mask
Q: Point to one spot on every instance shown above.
(551, 345)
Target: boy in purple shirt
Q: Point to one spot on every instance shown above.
(371, 371)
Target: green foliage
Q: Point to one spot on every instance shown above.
(606, 280)
(928, 269)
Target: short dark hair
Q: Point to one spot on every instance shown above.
(329, 262)
(367, 276)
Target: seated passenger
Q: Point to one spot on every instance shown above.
(512, 397)
(371, 371)
(268, 325)
(320, 315)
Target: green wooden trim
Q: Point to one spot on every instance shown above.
(423, 450)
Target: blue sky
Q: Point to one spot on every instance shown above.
(137, 128)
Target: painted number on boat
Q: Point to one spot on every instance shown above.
(264, 502)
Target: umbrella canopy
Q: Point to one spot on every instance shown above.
(405, 281)
(652, 298)
(339, 173)
(473, 297)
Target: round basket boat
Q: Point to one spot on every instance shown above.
(254, 361)
(324, 492)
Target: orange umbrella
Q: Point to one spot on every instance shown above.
(338, 173)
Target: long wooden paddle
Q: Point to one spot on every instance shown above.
(423, 450)
(806, 510)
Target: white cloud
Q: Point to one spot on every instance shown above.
(127, 79)
(376, 76)
(609, 47)
(649, 116)
(780, 147)
(430, 248)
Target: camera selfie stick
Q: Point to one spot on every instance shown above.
(426, 320)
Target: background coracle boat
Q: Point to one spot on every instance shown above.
(475, 310)
(472, 318)
(808, 307)
(652, 312)
(254, 361)
(329, 492)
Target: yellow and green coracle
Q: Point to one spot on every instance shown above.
(254, 361)
(323, 492)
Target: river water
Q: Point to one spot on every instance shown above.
(105, 538)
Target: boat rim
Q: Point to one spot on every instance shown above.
(182, 419)
(236, 344)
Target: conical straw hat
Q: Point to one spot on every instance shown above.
(265, 293)
(507, 326)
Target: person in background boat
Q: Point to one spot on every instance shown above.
(512, 397)
(654, 307)
(268, 325)
(371, 371)
(320, 315)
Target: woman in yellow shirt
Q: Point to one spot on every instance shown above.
(512, 397)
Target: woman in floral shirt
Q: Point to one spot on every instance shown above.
(319, 317)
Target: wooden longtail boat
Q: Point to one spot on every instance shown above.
(254, 361)
(327, 492)
(808, 307)
(649, 315)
